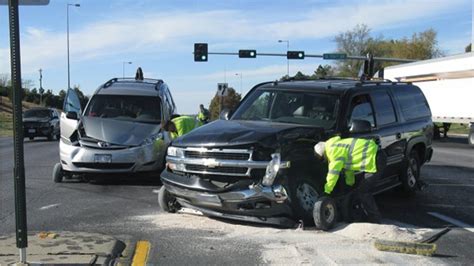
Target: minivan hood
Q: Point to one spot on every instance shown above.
(240, 132)
(118, 132)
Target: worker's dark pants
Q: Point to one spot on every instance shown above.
(367, 184)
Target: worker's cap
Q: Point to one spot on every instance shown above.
(319, 148)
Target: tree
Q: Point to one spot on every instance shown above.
(468, 48)
(323, 72)
(230, 102)
(352, 42)
(421, 45)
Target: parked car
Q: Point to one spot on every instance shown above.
(119, 130)
(41, 122)
(259, 165)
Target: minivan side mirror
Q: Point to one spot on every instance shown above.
(225, 114)
(360, 126)
(71, 115)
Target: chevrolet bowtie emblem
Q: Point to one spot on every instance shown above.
(211, 163)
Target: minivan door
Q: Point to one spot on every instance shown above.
(70, 115)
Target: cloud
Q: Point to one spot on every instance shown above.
(175, 30)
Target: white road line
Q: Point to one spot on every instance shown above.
(453, 221)
(452, 185)
(156, 191)
(49, 206)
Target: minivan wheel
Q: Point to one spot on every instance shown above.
(411, 174)
(167, 201)
(58, 173)
(325, 213)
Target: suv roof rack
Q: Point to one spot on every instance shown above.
(380, 82)
(155, 82)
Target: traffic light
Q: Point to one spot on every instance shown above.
(200, 52)
(295, 54)
(247, 53)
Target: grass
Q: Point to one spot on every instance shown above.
(6, 124)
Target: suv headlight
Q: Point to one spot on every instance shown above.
(151, 139)
(175, 152)
(272, 170)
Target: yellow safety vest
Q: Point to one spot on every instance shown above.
(350, 154)
(184, 124)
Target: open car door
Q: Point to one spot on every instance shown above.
(71, 114)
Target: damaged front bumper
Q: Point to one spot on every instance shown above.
(250, 203)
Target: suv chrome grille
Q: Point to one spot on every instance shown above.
(217, 155)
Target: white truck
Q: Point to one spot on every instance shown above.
(448, 85)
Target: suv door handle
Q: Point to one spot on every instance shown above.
(398, 135)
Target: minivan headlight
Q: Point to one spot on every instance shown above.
(272, 170)
(175, 152)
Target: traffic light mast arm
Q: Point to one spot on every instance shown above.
(349, 57)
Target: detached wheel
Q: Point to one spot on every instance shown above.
(167, 201)
(411, 174)
(325, 213)
(58, 173)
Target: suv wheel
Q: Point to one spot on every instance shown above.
(167, 201)
(304, 196)
(325, 213)
(411, 174)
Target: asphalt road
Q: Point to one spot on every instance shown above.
(122, 206)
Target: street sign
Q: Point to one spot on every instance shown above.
(27, 2)
(335, 56)
(222, 90)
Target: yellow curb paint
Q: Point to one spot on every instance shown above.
(141, 253)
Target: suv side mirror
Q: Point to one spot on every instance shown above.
(71, 115)
(225, 114)
(360, 126)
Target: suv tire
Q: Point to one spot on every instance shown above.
(167, 201)
(304, 194)
(411, 174)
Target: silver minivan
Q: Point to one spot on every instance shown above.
(118, 132)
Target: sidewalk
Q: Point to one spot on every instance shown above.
(60, 247)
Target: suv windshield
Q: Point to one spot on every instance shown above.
(144, 109)
(43, 113)
(304, 108)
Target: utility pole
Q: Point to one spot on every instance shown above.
(240, 74)
(287, 60)
(41, 86)
(123, 68)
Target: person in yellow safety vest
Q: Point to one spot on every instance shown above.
(350, 155)
(180, 125)
(203, 114)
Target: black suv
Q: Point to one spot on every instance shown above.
(258, 163)
(41, 122)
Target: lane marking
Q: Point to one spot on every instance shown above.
(156, 191)
(453, 221)
(432, 206)
(451, 185)
(49, 206)
(141, 253)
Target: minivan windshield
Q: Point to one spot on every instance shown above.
(296, 107)
(41, 113)
(143, 109)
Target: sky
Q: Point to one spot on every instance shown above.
(159, 35)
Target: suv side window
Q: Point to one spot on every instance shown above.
(412, 102)
(384, 110)
(361, 109)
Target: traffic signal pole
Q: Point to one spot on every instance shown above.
(19, 168)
